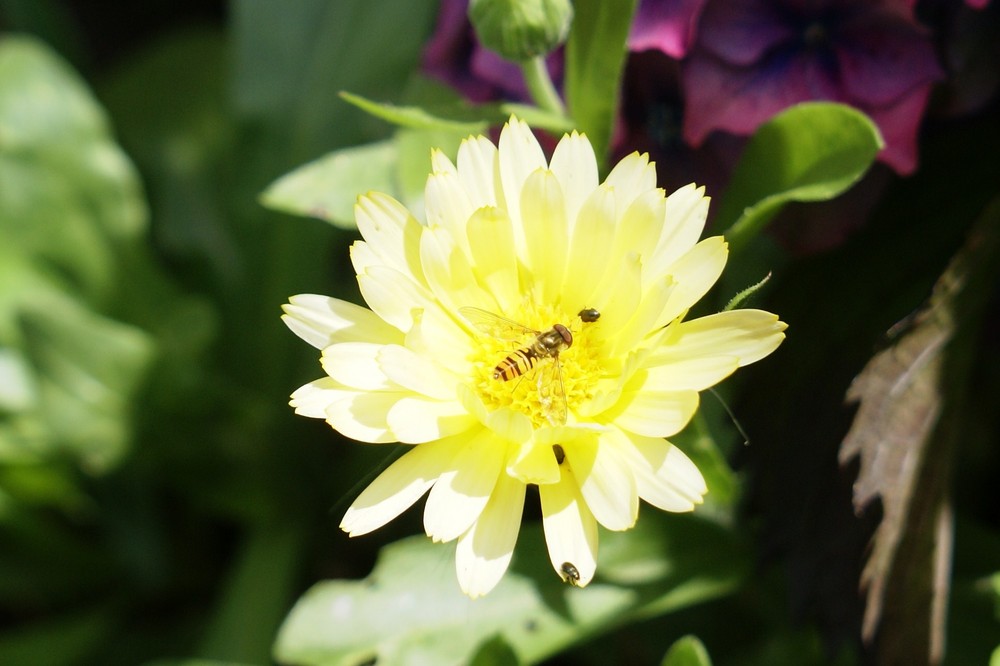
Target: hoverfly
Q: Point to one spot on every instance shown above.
(545, 345)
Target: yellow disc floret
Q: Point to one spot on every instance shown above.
(511, 370)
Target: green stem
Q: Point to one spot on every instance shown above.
(540, 85)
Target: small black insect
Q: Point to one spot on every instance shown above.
(570, 574)
(588, 315)
(559, 453)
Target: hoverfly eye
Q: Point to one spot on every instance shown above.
(588, 315)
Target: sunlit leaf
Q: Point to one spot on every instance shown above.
(687, 651)
(70, 209)
(327, 188)
(664, 564)
(595, 60)
(809, 152)
(906, 432)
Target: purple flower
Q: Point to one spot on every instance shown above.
(754, 58)
(665, 25)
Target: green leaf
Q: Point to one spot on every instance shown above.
(328, 187)
(459, 116)
(809, 152)
(71, 212)
(417, 117)
(687, 651)
(409, 604)
(69, 192)
(595, 60)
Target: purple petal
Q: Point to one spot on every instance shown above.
(665, 25)
(742, 31)
(720, 96)
(900, 123)
(882, 58)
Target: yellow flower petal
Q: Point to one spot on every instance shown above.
(322, 321)
(575, 166)
(747, 335)
(399, 486)
(646, 411)
(692, 374)
(361, 415)
(461, 493)
(694, 274)
(519, 156)
(393, 296)
(355, 365)
(618, 296)
(449, 275)
(588, 255)
(533, 462)
(683, 221)
(606, 482)
(543, 214)
(494, 258)
(435, 335)
(390, 232)
(639, 226)
(416, 372)
(665, 477)
(632, 176)
(477, 170)
(448, 206)
(484, 552)
(570, 528)
(312, 399)
(414, 419)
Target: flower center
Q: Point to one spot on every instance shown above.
(539, 360)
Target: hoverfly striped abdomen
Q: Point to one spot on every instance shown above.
(545, 345)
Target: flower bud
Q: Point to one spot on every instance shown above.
(521, 29)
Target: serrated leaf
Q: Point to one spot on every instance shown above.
(687, 651)
(905, 432)
(595, 60)
(410, 603)
(810, 152)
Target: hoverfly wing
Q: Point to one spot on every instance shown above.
(551, 392)
(495, 325)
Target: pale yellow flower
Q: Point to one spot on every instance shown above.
(539, 243)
